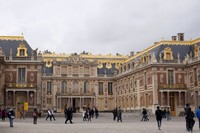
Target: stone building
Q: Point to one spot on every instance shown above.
(167, 74)
(20, 73)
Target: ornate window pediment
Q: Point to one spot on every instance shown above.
(196, 50)
(22, 50)
(168, 54)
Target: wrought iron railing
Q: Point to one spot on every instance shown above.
(21, 85)
(172, 86)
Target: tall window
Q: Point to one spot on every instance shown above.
(64, 69)
(22, 52)
(75, 70)
(49, 85)
(100, 88)
(86, 86)
(21, 75)
(75, 87)
(195, 76)
(110, 90)
(63, 87)
(171, 77)
(86, 70)
(168, 56)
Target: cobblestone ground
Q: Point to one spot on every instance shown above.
(104, 124)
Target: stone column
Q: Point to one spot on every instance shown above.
(168, 98)
(71, 100)
(60, 103)
(83, 101)
(14, 98)
(185, 97)
(138, 94)
(80, 103)
(179, 98)
(27, 96)
(155, 86)
(6, 98)
(35, 98)
(161, 98)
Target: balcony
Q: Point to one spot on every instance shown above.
(21, 85)
(74, 94)
(23, 58)
(173, 86)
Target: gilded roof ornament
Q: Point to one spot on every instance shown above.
(12, 38)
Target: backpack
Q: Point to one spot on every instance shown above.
(34, 114)
(198, 113)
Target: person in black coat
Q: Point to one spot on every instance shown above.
(35, 116)
(159, 116)
(11, 116)
(114, 114)
(190, 119)
(69, 113)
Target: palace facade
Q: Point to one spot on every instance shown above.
(167, 74)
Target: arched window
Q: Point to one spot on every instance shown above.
(64, 87)
(129, 66)
(75, 87)
(86, 87)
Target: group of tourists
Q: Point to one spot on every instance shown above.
(89, 113)
(10, 114)
(189, 117)
(50, 115)
(117, 113)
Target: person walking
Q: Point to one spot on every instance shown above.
(198, 115)
(114, 114)
(49, 115)
(159, 116)
(168, 114)
(52, 114)
(119, 114)
(190, 119)
(144, 115)
(11, 116)
(69, 115)
(187, 106)
(3, 114)
(35, 116)
(96, 112)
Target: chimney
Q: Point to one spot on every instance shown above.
(180, 36)
(132, 53)
(174, 38)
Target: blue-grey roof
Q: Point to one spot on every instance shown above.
(106, 71)
(6, 45)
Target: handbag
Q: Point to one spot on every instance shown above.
(12, 117)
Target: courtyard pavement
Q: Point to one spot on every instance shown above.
(104, 124)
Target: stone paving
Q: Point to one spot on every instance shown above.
(104, 124)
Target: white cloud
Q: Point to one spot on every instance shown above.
(98, 26)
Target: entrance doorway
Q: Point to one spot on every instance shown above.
(74, 102)
(172, 104)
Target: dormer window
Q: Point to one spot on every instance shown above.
(168, 54)
(22, 50)
(196, 50)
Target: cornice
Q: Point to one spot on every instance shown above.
(12, 38)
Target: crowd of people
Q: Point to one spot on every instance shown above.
(89, 113)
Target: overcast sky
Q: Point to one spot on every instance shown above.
(98, 26)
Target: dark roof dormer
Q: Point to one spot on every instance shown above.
(22, 50)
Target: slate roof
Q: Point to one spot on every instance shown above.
(105, 71)
(6, 45)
